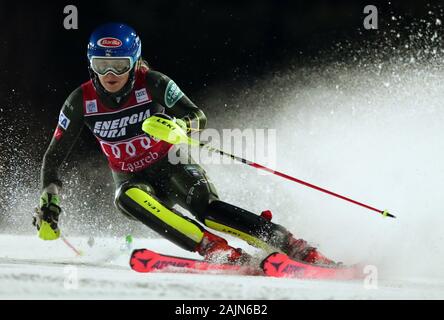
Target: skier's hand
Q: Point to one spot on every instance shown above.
(46, 217)
(181, 123)
(163, 127)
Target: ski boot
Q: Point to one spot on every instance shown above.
(216, 249)
(299, 249)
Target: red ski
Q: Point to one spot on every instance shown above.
(281, 266)
(144, 260)
(275, 265)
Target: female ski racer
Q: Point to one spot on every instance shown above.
(121, 94)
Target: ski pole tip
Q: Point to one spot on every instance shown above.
(385, 213)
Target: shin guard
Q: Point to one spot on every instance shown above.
(145, 207)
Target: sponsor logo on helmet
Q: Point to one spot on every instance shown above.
(109, 43)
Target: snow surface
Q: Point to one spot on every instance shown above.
(34, 269)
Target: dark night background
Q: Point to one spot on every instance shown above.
(199, 44)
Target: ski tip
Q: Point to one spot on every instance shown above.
(266, 259)
(138, 252)
(139, 259)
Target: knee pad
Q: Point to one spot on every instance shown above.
(123, 188)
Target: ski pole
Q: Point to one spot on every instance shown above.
(167, 130)
(385, 213)
(79, 253)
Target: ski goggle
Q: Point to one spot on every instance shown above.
(118, 66)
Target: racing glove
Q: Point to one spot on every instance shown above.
(46, 216)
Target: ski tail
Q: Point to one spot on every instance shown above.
(144, 261)
(281, 266)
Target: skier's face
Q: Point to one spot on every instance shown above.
(113, 83)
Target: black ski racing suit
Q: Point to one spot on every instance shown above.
(149, 194)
